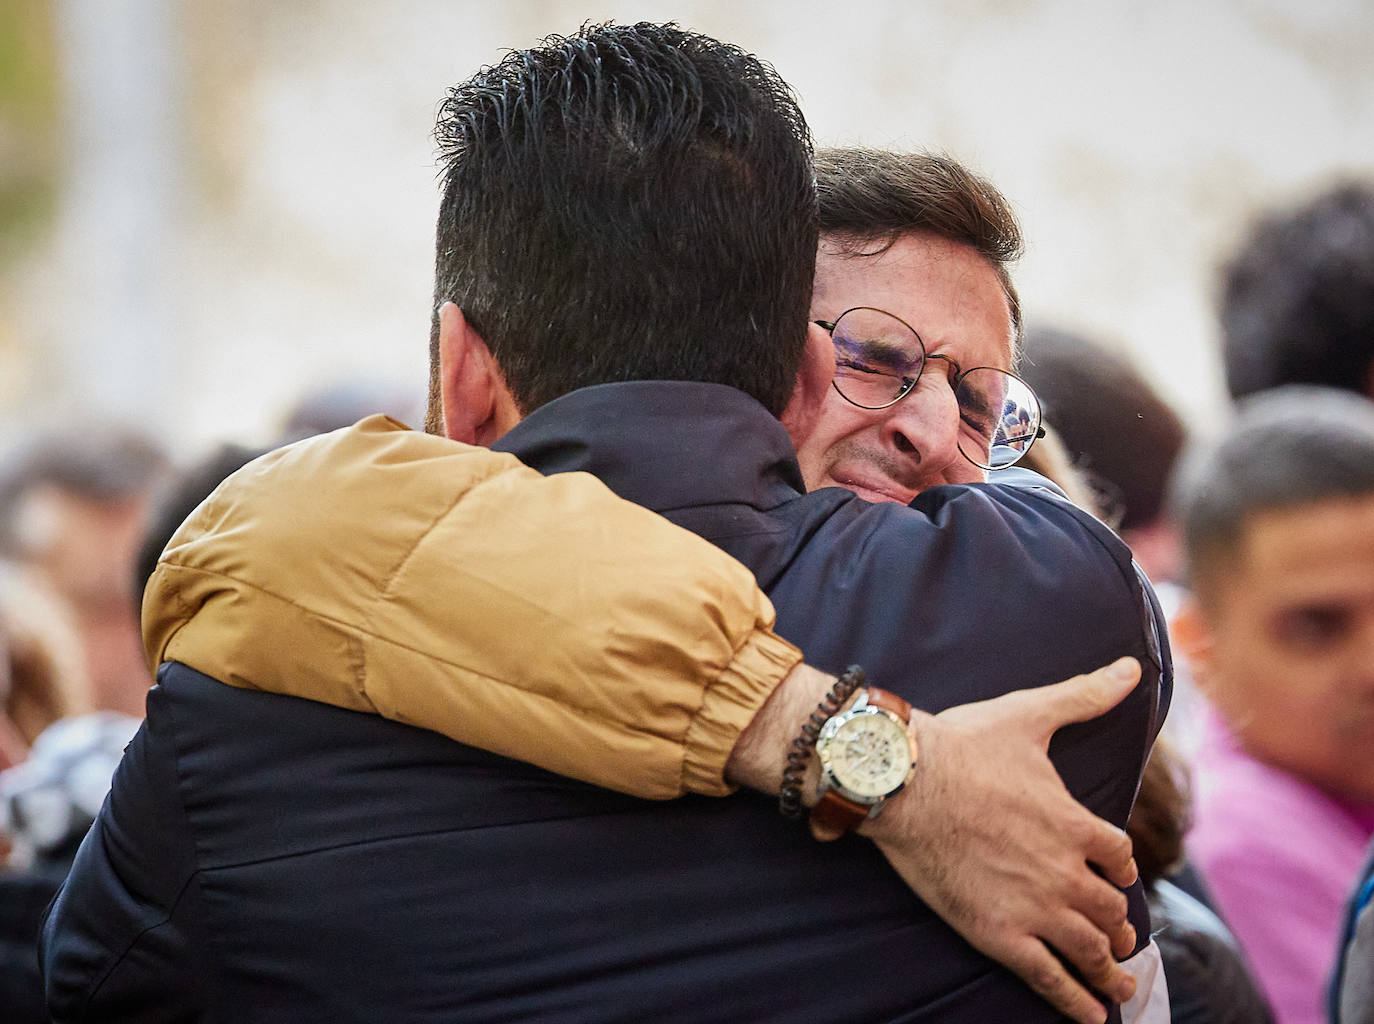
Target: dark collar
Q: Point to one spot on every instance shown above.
(663, 444)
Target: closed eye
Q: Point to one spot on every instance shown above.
(875, 371)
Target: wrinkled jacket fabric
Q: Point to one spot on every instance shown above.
(384, 570)
(268, 858)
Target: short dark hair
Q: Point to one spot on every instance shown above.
(1297, 299)
(1288, 447)
(628, 203)
(1115, 426)
(870, 198)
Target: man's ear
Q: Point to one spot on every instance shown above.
(1190, 631)
(814, 375)
(478, 407)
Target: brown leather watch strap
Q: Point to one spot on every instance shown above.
(835, 815)
(890, 702)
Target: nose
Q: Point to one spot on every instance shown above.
(923, 428)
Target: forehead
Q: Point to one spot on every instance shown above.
(1321, 552)
(946, 290)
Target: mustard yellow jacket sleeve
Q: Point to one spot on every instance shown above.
(451, 587)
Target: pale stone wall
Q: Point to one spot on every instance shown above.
(294, 244)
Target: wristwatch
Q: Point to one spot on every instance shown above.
(866, 755)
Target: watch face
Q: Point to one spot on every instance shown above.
(867, 754)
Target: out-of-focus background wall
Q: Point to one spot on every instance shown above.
(209, 206)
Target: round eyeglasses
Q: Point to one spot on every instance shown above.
(879, 358)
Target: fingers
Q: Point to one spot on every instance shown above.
(1039, 969)
(1110, 849)
(1123, 941)
(1086, 697)
(1084, 946)
(1106, 907)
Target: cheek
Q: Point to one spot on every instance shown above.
(836, 428)
(961, 471)
(1301, 712)
(813, 466)
(1328, 742)
(1289, 711)
(1249, 680)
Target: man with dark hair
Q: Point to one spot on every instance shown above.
(508, 892)
(1297, 303)
(581, 292)
(1278, 521)
(925, 240)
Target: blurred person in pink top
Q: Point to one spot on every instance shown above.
(1278, 522)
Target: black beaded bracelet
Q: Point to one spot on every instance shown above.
(799, 754)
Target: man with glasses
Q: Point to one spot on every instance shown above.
(912, 283)
(602, 356)
(880, 359)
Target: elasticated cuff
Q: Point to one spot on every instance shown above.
(729, 705)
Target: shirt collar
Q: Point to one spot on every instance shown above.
(663, 444)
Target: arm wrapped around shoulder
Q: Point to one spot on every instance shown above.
(453, 588)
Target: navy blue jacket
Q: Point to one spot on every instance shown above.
(265, 858)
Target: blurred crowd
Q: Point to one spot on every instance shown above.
(84, 514)
(1255, 819)
(1255, 816)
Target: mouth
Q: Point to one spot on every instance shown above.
(877, 490)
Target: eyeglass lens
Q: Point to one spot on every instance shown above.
(879, 359)
(1002, 413)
